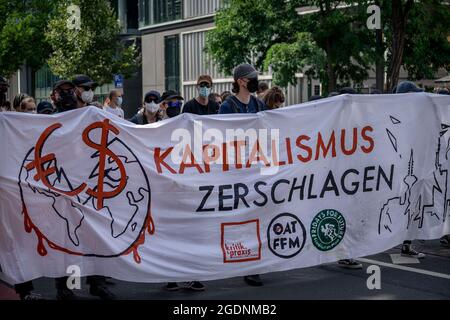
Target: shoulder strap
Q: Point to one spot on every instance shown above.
(258, 102)
(233, 104)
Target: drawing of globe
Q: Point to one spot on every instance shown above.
(73, 224)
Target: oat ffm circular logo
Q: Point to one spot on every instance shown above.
(286, 235)
(327, 229)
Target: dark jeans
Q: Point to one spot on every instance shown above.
(22, 289)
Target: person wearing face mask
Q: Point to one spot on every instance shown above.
(243, 101)
(201, 105)
(171, 103)
(151, 112)
(115, 104)
(244, 86)
(63, 96)
(84, 90)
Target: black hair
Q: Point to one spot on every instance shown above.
(235, 88)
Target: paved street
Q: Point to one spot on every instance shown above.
(429, 279)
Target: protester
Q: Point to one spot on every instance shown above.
(274, 98)
(244, 86)
(201, 105)
(115, 103)
(263, 87)
(407, 249)
(217, 98)
(224, 95)
(45, 107)
(65, 99)
(171, 103)
(28, 105)
(84, 90)
(18, 100)
(151, 111)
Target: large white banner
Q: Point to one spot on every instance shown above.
(203, 198)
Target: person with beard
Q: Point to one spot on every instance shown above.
(244, 86)
(67, 96)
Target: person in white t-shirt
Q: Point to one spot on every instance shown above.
(115, 104)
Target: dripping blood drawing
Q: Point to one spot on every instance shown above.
(77, 213)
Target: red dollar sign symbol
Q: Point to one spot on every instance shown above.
(104, 152)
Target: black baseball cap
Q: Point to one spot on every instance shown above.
(347, 90)
(82, 80)
(408, 86)
(45, 107)
(171, 94)
(153, 93)
(245, 70)
(60, 83)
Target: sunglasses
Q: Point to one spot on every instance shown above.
(176, 104)
(150, 100)
(204, 85)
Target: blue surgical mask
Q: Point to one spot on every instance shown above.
(204, 92)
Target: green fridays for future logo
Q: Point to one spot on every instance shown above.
(327, 229)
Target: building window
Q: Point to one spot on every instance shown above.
(172, 62)
(159, 11)
(317, 90)
(44, 80)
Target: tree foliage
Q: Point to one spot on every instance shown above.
(95, 49)
(22, 33)
(333, 43)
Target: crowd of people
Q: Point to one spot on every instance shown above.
(248, 95)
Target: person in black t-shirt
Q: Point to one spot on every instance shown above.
(201, 105)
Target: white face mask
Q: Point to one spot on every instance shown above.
(119, 101)
(87, 96)
(152, 107)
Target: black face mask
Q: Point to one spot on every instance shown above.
(67, 101)
(172, 112)
(252, 85)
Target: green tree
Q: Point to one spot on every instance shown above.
(22, 33)
(329, 44)
(94, 49)
(333, 43)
